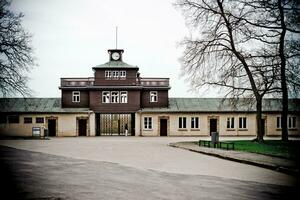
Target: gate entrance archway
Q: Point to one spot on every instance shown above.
(115, 124)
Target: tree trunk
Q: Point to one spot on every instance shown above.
(284, 113)
(259, 130)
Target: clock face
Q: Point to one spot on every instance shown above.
(115, 56)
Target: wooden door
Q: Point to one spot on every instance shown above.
(213, 125)
(51, 127)
(163, 127)
(82, 125)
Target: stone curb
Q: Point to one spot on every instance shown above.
(290, 171)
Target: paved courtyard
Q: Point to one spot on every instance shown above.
(132, 168)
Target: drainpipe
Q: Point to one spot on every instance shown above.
(140, 113)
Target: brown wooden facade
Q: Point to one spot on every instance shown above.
(114, 77)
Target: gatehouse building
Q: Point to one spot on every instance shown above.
(117, 98)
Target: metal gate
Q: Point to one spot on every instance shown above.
(114, 124)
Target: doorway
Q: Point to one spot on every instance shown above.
(213, 125)
(82, 126)
(163, 127)
(51, 127)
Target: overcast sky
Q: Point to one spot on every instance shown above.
(72, 36)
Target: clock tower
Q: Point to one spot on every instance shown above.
(115, 54)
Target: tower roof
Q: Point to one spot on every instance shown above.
(115, 65)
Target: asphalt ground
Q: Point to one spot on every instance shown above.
(35, 175)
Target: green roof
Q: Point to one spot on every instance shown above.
(115, 64)
(223, 105)
(36, 105)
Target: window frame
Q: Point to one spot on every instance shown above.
(148, 123)
(126, 96)
(153, 94)
(115, 74)
(37, 122)
(278, 122)
(292, 122)
(242, 122)
(182, 122)
(230, 123)
(117, 97)
(27, 120)
(75, 97)
(122, 74)
(9, 119)
(107, 74)
(194, 122)
(103, 97)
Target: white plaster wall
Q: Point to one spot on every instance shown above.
(203, 124)
(92, 123)
(22, 129)
(66, 125)
(272, 129)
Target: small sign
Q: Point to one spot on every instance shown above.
(36, 131)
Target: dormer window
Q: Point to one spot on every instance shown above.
(153, 96)
(75, 96)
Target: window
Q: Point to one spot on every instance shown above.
(105, 97)
(242, 122)
(123, 74)
(27, 120)
(39, 120)
(107, 74)
(153, 96)
(182, 122)
(292, 122)
(123, 97)
(115, 74)
(13, 119)
(230, 122)
(278, 122)
(195, 122)
(148, 123)
(76, 96)
(114, 97)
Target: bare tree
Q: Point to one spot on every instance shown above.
(16, 54)
(225, 55)
(279, 20)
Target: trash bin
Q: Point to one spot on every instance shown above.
(214, 138)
